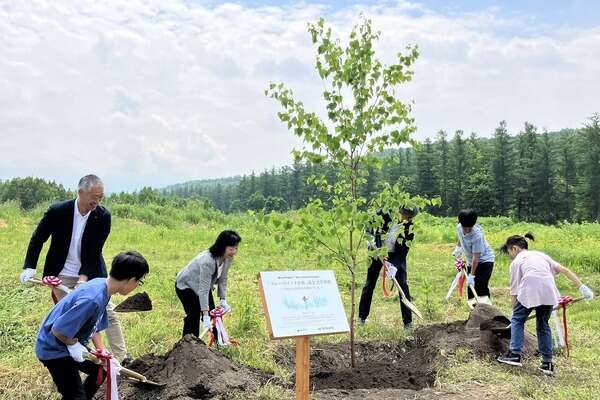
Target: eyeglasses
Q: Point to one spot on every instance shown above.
(141, 282)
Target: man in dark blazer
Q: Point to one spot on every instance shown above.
(79, 228)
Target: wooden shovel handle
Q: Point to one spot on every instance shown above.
(124, 371)
(472, 287)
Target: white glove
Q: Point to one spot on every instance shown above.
(471, 280)
(586, 292)
(206, 321)
(457, 252)
(77, 351)
(226, 308)
(391, 271)
(27, 274)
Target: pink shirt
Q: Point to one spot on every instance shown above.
(532, 279)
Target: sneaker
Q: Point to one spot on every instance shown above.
(362, 322)
(511, 359)
(408, 328)
(547, 368)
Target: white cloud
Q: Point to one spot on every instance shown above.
(157, 92)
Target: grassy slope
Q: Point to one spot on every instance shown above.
(430, 272)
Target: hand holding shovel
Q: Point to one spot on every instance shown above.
(392, 275)
(126, 372)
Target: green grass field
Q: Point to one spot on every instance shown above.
(169, 238)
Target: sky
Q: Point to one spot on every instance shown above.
(156, 92)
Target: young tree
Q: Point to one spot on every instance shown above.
(365, 116)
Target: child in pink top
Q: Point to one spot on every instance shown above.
(532, 287)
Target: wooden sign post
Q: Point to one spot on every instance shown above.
(301, 304)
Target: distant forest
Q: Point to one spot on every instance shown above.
(532, 176)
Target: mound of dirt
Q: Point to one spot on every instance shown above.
(408, 365)
(385, 370)
(475, 335)
(137, 302)
(190, 370)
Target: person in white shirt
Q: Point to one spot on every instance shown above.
(79, 228)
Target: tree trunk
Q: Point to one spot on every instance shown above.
(352, 311)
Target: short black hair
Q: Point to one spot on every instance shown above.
(225, 239)
(127, 265)
(467, 217)
(410, 212)
(517, 240)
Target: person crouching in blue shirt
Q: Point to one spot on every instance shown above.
(80, 317)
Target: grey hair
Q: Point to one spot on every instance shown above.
(88, 182)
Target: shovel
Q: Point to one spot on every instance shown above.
(139, 378)
(38, 281)
(404, 299)
(502, 318)
(135, 303)
(472, 287)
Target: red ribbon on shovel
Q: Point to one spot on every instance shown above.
(104, 356)
(563, 302)
(460, 264)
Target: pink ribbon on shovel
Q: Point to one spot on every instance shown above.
(223, 338)
(54, 282)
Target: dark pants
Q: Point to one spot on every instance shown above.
(543, 331)
(65, 374)
(191, 306)
(364, 306)
(482, 279)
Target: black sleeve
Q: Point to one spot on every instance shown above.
(39, 237)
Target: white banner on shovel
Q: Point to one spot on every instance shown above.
(302, 303)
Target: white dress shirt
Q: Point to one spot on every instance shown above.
(73, 262)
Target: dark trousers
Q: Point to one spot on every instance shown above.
(65, 374)
(364, 306)
(544, 333)
(482, 279)
(191, 306)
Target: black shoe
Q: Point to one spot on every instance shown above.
(511, 359)
(547, 368)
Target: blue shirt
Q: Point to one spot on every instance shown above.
(474, 242)
(79, 315)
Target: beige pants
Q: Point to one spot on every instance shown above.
(114, 332)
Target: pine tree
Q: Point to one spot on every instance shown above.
(426, 184)
(502, 166)
(442, 173)
(591, 168)
(525, 173)
(457, 172)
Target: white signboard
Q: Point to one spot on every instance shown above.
(302, 303)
